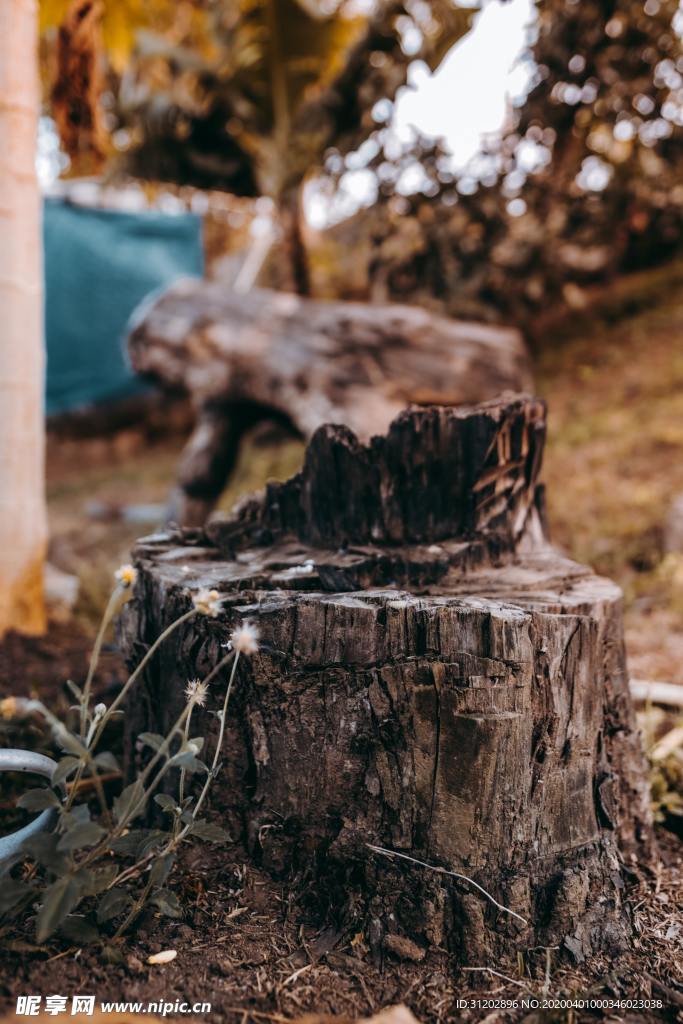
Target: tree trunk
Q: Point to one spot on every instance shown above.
(298, 276)
(434, 679)
(267, 354)
(22, 504)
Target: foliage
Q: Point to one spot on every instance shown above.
(281, 83)
(665, 756)
(72, 868)
(78, 84)
(121, 19)
(249, 95)
(666, 783)
(603, 126)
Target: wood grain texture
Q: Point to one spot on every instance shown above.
(434, 679)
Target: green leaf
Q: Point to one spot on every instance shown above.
(113, 903)
(78, 814)
(209, 832)
(38, 800)
(107, 761)
(188, 761)
(127, 845)
(95, 882)
(113, 955)
(79, 930)
(43, 848)
(66, 767)
(70, 742)
(85, 834)
(166, 802)
(151, 739)
(60, 899)
(161, 869)
(12, 893)
(167, 902)
(128, 801)
(154, 838)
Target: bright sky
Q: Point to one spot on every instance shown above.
(463, 101)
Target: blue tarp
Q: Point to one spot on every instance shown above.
(99, 264)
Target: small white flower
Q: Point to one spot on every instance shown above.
(245, 638)
(207, 602)
(196, 692)
(126, 575)
(98, 711)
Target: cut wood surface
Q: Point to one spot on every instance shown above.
(434, 680)
(246, 357)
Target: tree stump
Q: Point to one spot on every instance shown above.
(434, 679)
(243, 358)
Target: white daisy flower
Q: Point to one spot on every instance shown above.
(207, 602)
(196, 692)
(245, 638)
(126, 575)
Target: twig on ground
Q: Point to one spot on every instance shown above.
(497, 974)
(447, 871)
(296, 974)
(655, 692)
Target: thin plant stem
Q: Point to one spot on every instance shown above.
(118, 829)
(112, 604)
(181, 783)
(73, 789)
(135, 910)
(99, 790)
(149, 856)
(132, 869)
(129, 683)
(217, 668)
(219, 743)
(85, 760)
(161, 752)
(137, 672)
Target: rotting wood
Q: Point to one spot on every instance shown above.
(433, 679)
(243, 358)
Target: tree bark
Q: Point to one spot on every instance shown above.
(434, 679)
(23, 527)
(307, 362)
(290, 215)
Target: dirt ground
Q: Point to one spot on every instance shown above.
(613, 465)
(251, 951)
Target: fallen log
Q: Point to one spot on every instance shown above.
(243, 358)
(652, 691)
(437, 731)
